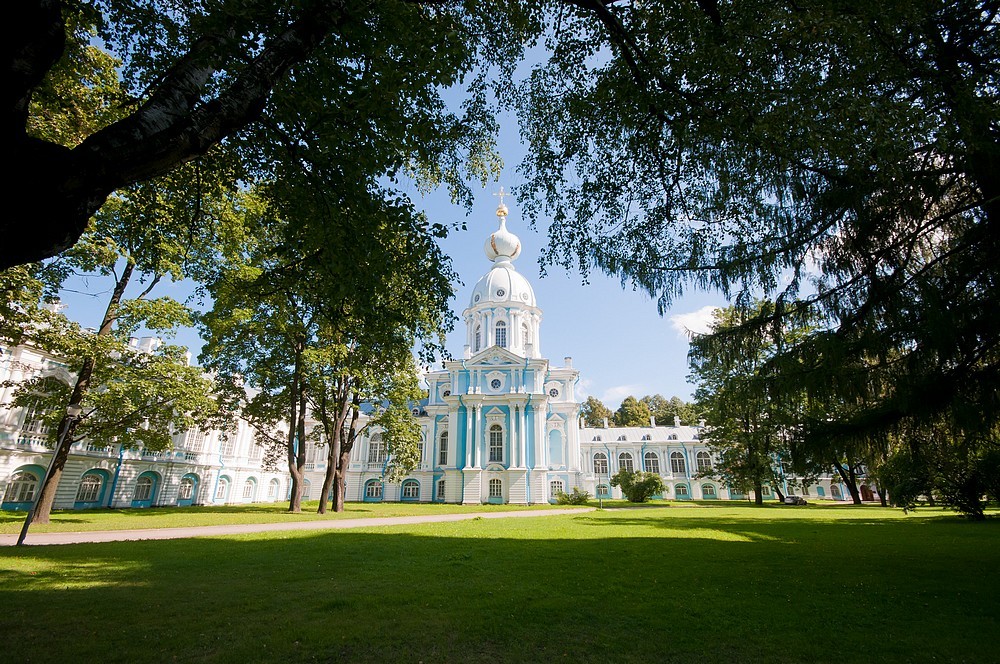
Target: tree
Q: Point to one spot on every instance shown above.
(632, 413)
(835, 157)
(595, 413)
(639, 486)
(143, 236)
(667, 411)
(944, 462)
(749, 425)
(313, 319)
(271, 83)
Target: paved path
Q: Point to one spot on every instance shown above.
(238, 529)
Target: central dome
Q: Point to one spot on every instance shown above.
(502, 284)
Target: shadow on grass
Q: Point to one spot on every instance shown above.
(606, 587)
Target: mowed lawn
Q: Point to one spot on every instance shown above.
(717, 583)
(218, 515)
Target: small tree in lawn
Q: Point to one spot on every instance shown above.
(638, 487)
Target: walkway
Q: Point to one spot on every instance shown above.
(243, 528)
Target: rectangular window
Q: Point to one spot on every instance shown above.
(443, 451)
(194, 440)
(555, 488)
(256, 451)
(496, 443)
(227, 445)
(440, 490)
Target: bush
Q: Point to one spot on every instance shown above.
(578, 497)
(638, 487)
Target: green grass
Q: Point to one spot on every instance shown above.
(682, 583)
(182, 517)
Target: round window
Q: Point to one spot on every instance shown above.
(501, 292)
(524, 296)
(553, 393)
(446, 393)
(476, 298)
(495, 383)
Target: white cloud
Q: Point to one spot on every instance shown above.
(583, 388)
(694, 322)
(612, 397)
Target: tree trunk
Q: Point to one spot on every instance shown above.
(339, 486)
(758, 493)
(849, 479)
(295, 469)
(47, 493)
(881, 496)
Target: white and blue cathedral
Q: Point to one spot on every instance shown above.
(501, 425)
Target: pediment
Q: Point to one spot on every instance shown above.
(494, 356)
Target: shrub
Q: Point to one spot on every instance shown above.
(638, 487)
(578, 497)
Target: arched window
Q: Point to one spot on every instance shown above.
(704, 462)
(496, 488)
(681, 491)
(272, 489)
(621, 437)
(647, 437)
(186, 490)
(597, 438)
(496, 443)
(677, 466)
(21, 489)
(222, 489)
(603, 491)
(652, 462)
(555, 488)
(143, 488)
(708, 492)
(373, 490)
(90, 488)
(625, 462)
(524, 335)
(600, 463)
(672, 436)
(835, 492)
(376, 449)
(478, 340)
(248, 488)
(443, 449)
(501, 334)
(411, 489)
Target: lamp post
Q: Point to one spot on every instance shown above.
(72, 413)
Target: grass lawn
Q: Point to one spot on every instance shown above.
(212, 515)
(684, 583)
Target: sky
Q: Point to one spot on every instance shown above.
(617, 340)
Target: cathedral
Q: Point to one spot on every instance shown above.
(501, 425)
